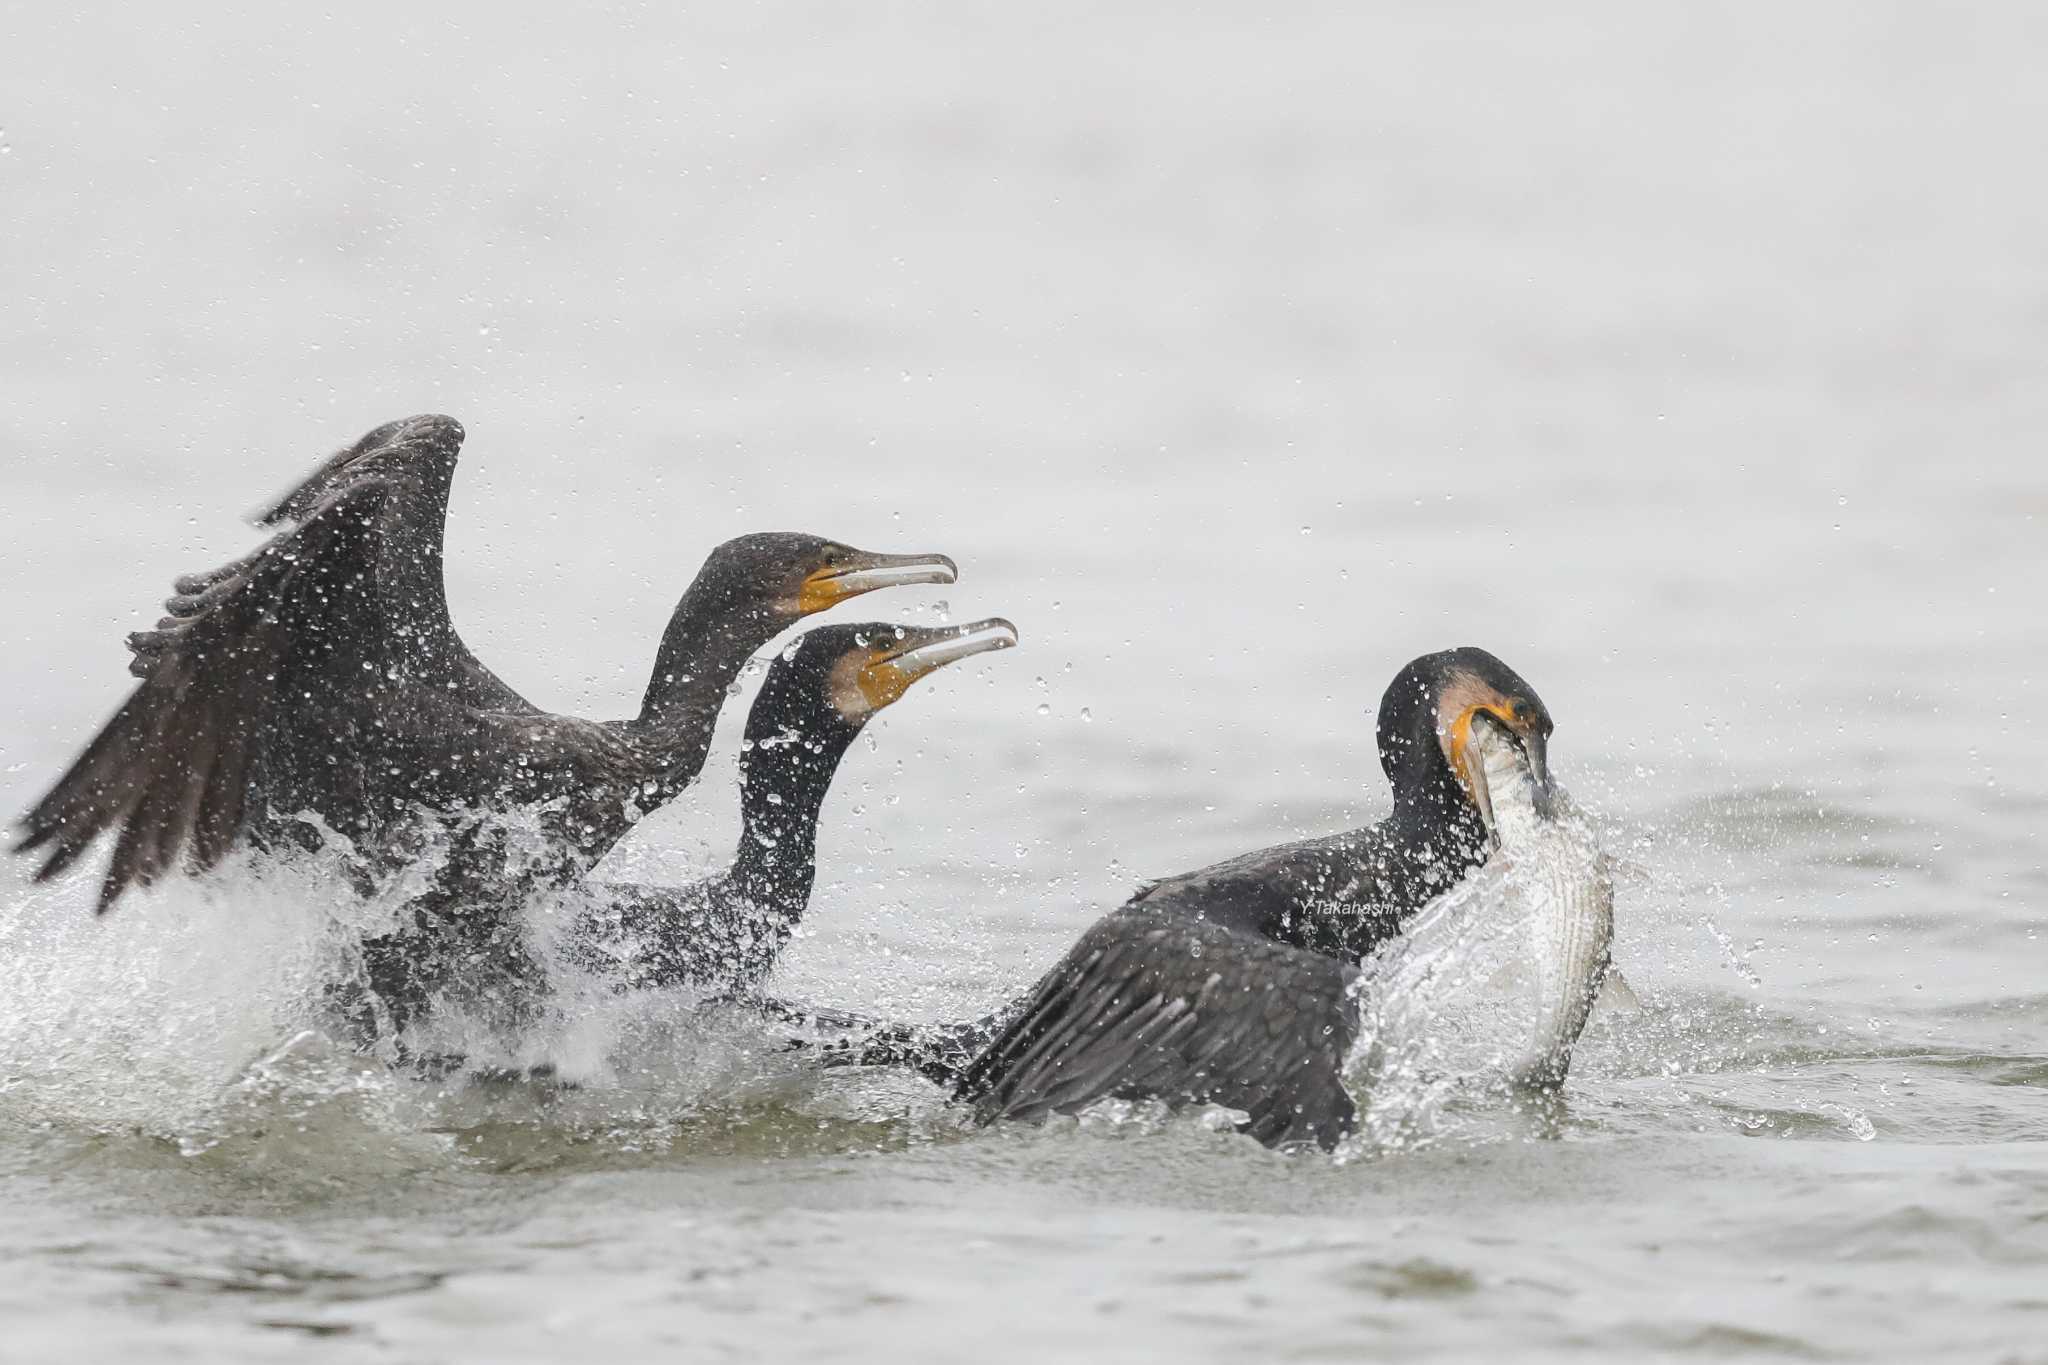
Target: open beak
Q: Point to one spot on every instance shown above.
(1471, 770)
(1470, 765)
(866, 572)
(925, 649)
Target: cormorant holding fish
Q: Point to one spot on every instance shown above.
(1232, 985)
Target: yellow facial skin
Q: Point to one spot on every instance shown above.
(1464, 698)
(883, 679)
(858, 573)
(867, 679)
(825, 588)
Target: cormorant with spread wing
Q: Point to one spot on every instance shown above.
(322, 673)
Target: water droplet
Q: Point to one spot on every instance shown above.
(1087, 716)
(1044, 709)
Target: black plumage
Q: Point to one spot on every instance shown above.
(1184, 1010)
(322, 673)
(724, 933)
(1232, 985)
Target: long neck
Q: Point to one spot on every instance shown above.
(707, 643)
(1438, 834)
(1436, 820)
(1433, 823)
(784, 777)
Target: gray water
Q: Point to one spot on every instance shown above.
(1688, 357)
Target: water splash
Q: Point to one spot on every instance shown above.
(140, 1018)
(201, 1018)
(1486, 994)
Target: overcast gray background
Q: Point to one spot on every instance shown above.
(1688, 356)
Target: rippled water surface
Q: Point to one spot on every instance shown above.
(1688, 357)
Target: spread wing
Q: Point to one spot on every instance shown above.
(1152, 1006)
(415, 459)
(410, 448)
(172, 770)
(330, 635)
(301, 654)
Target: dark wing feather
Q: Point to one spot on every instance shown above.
(416, 459)
(396, 449)
(172, 769)
(330, 641)
(1148, 1006)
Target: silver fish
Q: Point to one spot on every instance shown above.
(1547, 852)
(1537, 916)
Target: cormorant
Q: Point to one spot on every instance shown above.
(1232, 985)
(723, 932)
(321, 673)
(726, 931)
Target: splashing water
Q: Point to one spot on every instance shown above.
(141, 1018)
(1491, 986)
(204, 1012)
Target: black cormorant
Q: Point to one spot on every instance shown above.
(1231, 985)
(725, 932)
(721, 933)
(321, 673)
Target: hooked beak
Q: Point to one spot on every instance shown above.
(867, 572)
(1536, 748)
(925, 649)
